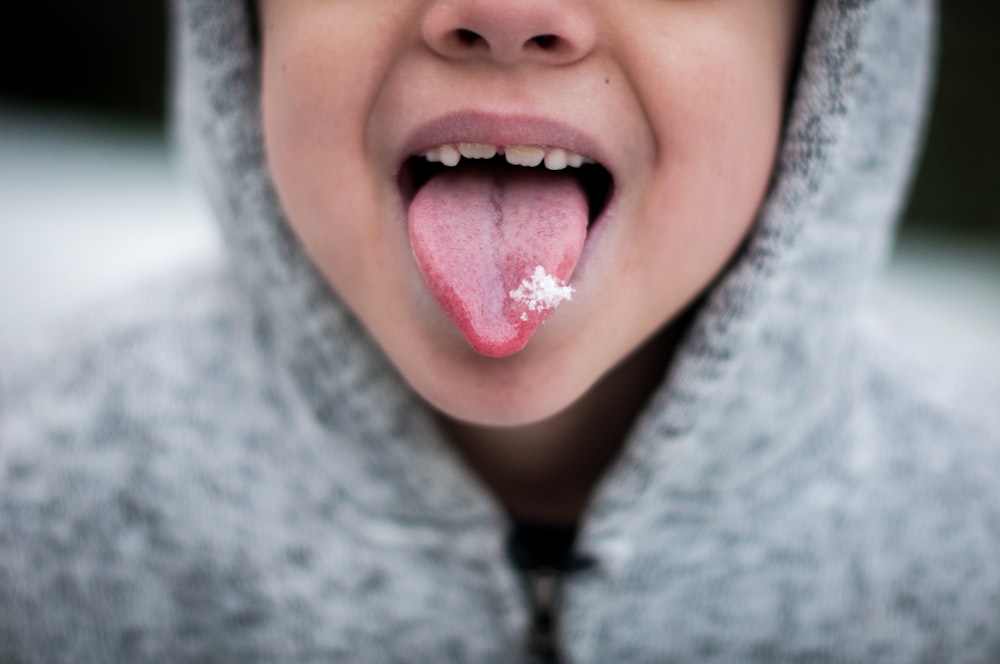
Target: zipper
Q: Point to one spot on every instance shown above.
(544, 554)
(543, 586)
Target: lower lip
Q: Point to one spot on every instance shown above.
(596, 230)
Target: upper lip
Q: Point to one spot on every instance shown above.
(502, 130)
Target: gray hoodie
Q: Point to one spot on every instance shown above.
(225, 468)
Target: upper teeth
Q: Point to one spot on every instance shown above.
(555, 159)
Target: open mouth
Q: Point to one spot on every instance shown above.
(497, 232)
(594, 179)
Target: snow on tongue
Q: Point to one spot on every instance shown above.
(496, 248)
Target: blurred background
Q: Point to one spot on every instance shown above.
(92, 199)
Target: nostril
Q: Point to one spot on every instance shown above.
(545, 42)
(467, 37)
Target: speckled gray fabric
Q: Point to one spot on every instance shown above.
(225, 469)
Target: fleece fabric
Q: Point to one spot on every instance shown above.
(226, 469)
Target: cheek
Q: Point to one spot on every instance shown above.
(313, 137)
(718, 131)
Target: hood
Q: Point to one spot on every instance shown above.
(774, 334)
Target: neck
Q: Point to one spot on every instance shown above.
(546, 471)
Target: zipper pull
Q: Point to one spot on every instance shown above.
(543, 586)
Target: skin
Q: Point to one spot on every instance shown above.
(684, 98)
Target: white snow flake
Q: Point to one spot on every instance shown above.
(541, 292)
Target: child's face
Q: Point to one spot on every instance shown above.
(680, 101)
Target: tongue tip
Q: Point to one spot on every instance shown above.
(497, 351)
(503, 331)
(500, 345)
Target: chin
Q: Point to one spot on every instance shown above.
(514, 391)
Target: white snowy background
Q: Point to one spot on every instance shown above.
(89, 210)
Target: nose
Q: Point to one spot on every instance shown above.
(509, 32)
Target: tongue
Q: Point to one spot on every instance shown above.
(496, 248)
